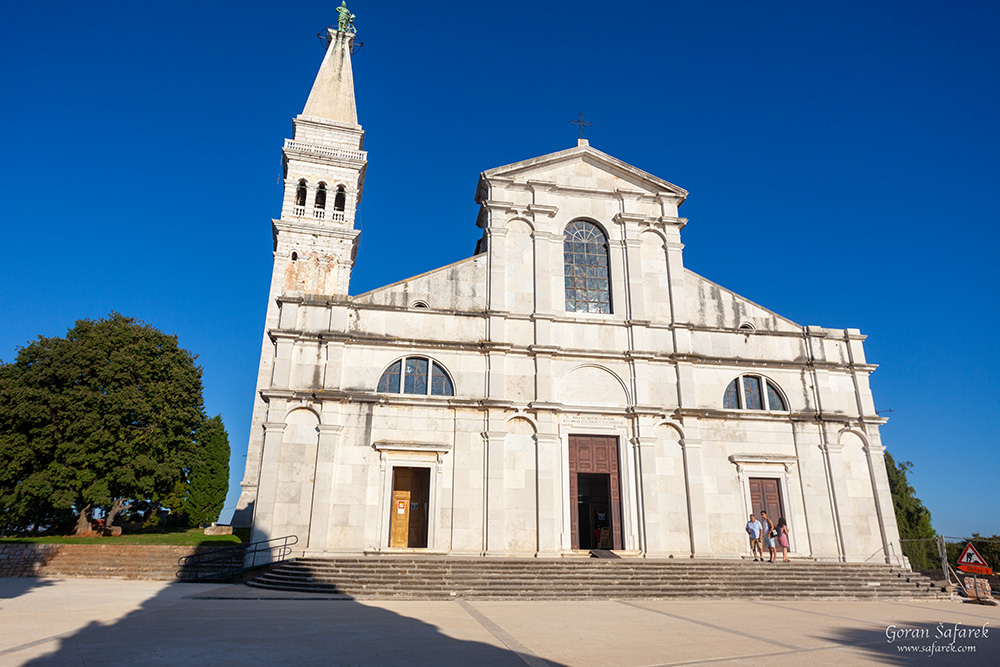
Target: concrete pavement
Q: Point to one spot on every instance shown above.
(98, 622)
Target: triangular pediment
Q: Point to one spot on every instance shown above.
(585, 167)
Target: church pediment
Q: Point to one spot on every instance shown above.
(583, 168)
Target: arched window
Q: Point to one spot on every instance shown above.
(753, 392)
(416, 375)
(300, 193)
(585, 258)
(340, 199)
(321, 196)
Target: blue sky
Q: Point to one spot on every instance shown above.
(842, 162)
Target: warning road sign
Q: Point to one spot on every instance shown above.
(971, 561)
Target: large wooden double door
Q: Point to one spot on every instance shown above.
(410, 511)
(595, 492)
(765, 495)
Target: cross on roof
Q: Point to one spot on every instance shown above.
(582, 123)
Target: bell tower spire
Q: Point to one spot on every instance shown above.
(315, 241)
(332, 94)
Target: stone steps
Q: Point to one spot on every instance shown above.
(448, 578)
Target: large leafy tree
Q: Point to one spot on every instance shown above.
(912, 518)
(99, 419)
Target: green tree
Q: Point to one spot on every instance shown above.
(99, 419)
(988, 547)
(207, 473)
(912, 518)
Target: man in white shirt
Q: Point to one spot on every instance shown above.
(754, 530)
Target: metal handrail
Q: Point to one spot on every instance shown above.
(231, 561)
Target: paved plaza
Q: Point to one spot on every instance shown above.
(99, 622)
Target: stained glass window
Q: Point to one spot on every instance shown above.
(440, 382)
(746, 392)
(751, 392)
(415, 381)
(774, 398)
(416, 375)
(389, 382)
(731, 401)
(585, 258)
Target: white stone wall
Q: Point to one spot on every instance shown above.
(528, 375)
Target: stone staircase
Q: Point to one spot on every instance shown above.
(436, 578)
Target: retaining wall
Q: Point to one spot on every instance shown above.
(117, 561)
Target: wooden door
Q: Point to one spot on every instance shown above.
(595, 454)
(765, 495)
(408, 527)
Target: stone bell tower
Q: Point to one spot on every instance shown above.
(315, 241)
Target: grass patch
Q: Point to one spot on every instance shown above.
(187, 537)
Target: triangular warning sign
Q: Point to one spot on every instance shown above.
(971, 557)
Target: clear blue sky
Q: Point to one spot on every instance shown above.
(842, 161)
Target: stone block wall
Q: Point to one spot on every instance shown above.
(104, 561)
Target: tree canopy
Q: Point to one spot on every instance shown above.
(207, 474)
(912, 518)
(105, 417)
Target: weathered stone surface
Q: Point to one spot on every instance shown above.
(528, 374)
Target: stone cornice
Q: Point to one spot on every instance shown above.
(596, 318)
(549, 211)
(314, 229)
(557, 407)
(766, 415)
(625, 218)
(751, 459)
(552, 351)
(410, 446)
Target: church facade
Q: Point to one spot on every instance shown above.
(570, 386)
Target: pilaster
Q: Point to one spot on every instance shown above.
(697, 506)
(494, 441)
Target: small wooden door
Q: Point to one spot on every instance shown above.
(408, 527)
(589, 455)
(765, 495)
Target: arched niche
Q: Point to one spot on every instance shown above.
(592, 385)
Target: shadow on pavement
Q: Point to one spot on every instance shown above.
(192, 626)
(12, 587)
(904, 644)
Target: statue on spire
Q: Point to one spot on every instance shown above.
(345, 19)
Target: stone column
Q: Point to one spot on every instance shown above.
(618, 279)
(875, 453)
(839, 496)
(645, 448)
(633, 261)
(697, 506)
(494, 441)
(281, 372)
(545, 271)
(267, 487)
(497, 260)
(323, 487)
(548, 466)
